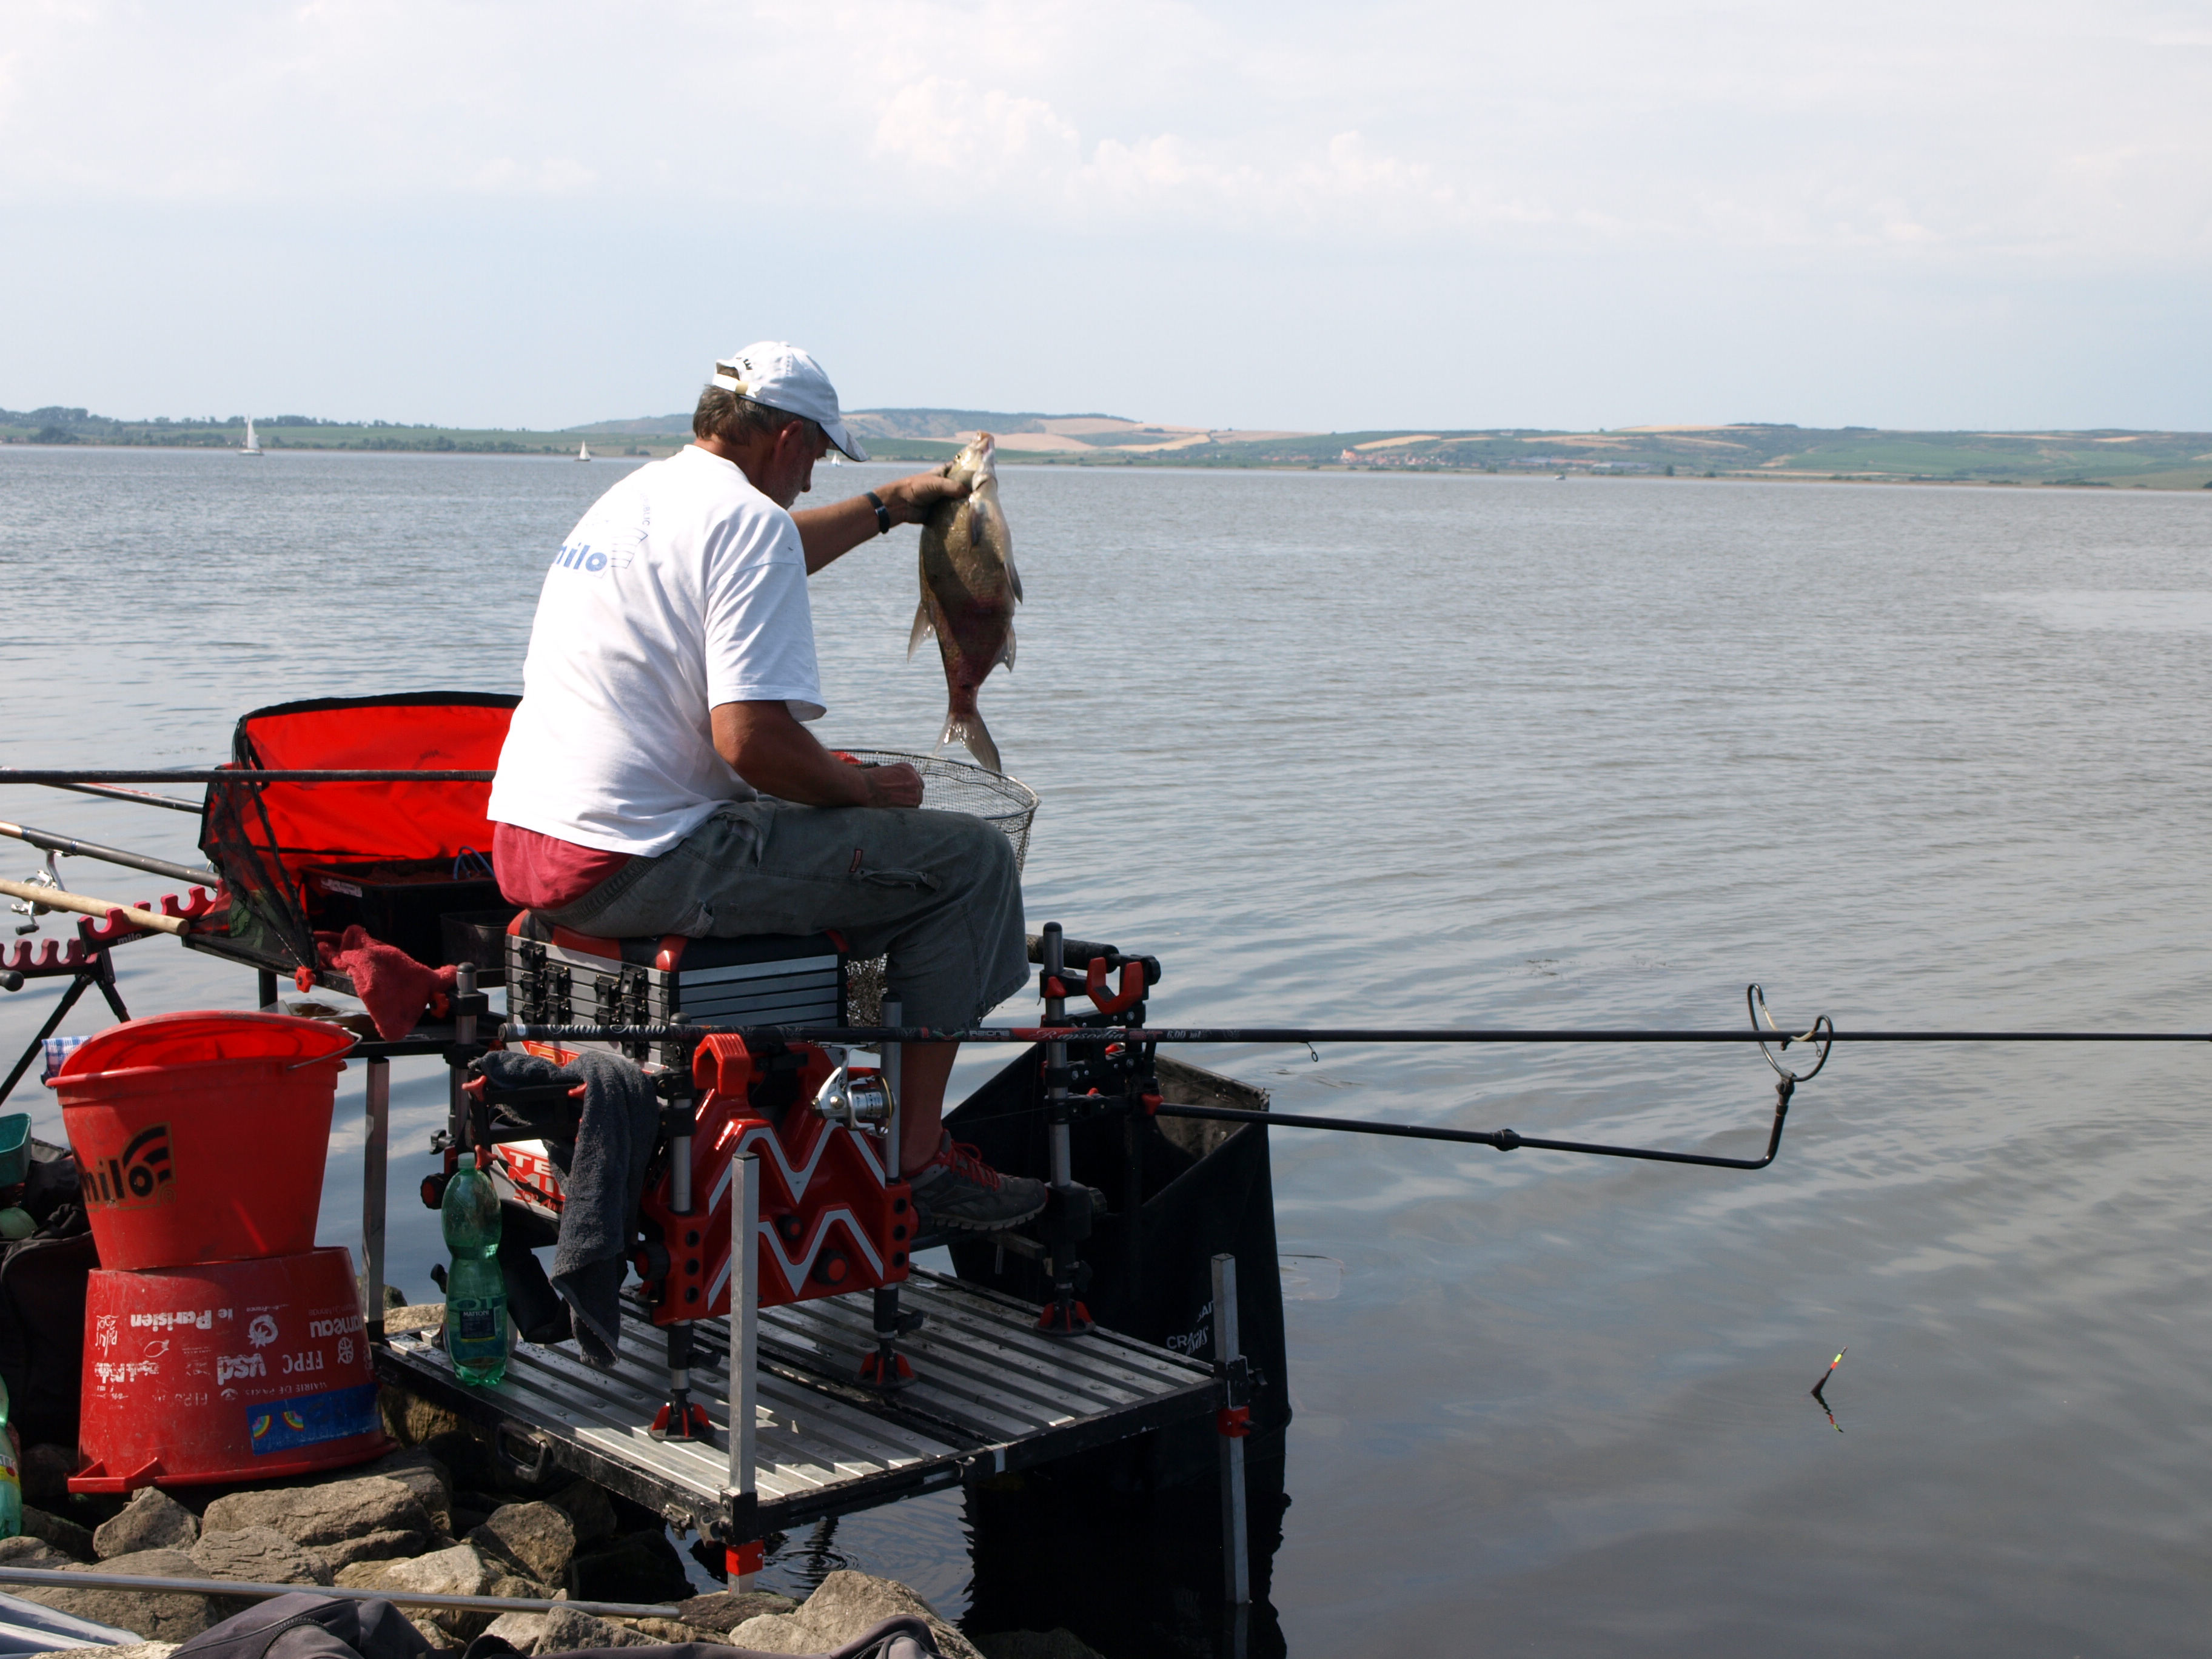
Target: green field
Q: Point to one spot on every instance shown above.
(2147, 460)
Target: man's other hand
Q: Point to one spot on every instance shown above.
(913, 498)
(898, 784)
(773, 753)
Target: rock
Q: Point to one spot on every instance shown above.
(45, 1472)
(538, 1539)
(567, 1629)
(121, 1651)
(638, 1566)
(369, 1547)
(1034, 1645)
(456, 1571)
(414, 1316)
(522, 1632)
(258, 1555)
(589, 1510)
(410, 1419)
(725, 1610)
(324, 1515)
(27, 1551)
(151, 1520)
(364, 1575)
(418, 1470)
(63, 1533)
(465, 1521)
(158, 1615)
(518, 1589)
(844, 1606)
(669, 1630)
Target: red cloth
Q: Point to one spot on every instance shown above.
(394, 987)
(541, 873)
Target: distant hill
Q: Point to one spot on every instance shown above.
(889, 424)
(2101, 458)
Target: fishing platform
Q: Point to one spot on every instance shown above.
(781, 1360)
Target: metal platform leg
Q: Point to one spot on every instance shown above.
(375, 1145)
(1234, 1423)
(680, 1418)
(1066, 1219)
(885, 1367)
(742, 1496)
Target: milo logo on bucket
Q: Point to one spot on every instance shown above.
(142, 1176)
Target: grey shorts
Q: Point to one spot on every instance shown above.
(937, 893)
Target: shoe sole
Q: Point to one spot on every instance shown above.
(998, 1226)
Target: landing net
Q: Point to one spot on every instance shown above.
(947, 785)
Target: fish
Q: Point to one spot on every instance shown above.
(968, 590)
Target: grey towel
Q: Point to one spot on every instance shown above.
(603, 1170)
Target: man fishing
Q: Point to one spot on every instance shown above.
(659, 776)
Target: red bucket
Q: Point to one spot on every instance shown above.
(201, 1137)
(232, 1370)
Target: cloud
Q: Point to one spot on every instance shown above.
(944, 125)
(2024, 134)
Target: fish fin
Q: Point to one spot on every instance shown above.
(923, 627)
(1006, 650)
(1014, 581)
(969, 729)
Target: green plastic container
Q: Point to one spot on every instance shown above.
(14, 1147)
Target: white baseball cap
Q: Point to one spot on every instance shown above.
(781, 376)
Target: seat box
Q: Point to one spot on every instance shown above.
(556, 976)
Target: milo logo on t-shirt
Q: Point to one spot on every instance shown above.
(605, 541)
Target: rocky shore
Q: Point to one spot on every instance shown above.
(441, 1516)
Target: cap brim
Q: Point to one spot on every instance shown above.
(841, 441)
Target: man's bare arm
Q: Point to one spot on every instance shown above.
(779, 757)
(829, 533)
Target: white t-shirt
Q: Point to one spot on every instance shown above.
(681, 588)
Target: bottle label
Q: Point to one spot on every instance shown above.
(478, 1325)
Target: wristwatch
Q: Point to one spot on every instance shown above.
(883, 513)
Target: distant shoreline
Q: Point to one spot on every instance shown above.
(1035, 460)
(2100, 458)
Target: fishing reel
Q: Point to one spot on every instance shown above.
(855, 1095)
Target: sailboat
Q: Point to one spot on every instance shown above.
(584, 452)
(253, 444)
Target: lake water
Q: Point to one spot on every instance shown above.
(1375, 748)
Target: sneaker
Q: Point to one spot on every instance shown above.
(957, 1190)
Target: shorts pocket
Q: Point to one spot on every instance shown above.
(913, 879)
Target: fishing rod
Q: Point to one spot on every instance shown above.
(1150, 1102)
(48, 840)
(143, 797)
(868, 1035)
(71, 778)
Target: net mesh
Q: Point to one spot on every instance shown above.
(947, 785)
(950, 786)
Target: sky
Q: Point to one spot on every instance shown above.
(1983, 213)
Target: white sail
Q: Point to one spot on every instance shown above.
(253, 443)
(584, 452)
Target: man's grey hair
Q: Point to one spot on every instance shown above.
(727, 414)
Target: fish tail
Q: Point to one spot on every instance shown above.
(965, 726)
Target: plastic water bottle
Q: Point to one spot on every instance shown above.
(475, 1294)
(11, 1478)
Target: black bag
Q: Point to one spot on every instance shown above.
(42, 1291)
(1203, 1189)
(305, 1625)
